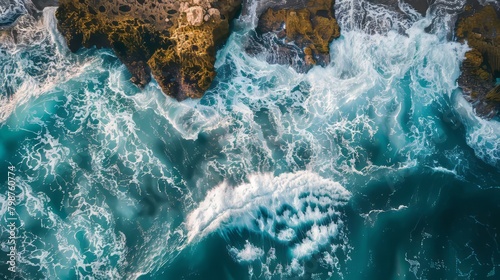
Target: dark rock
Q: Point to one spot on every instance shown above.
(41, 4)
(420, 6)
(480, 28)
(176, 41)
(256, 7)
(299, 35)
(475, 22)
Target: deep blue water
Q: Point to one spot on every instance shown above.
(374, 167)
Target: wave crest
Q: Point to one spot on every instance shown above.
(285, 207)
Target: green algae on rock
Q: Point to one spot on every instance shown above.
(305, 30)
(481, 30)
(174, 40)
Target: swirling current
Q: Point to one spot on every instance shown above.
(374, 167)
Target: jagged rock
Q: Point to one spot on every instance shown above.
(480, 28)
(174, 40)
(299, 35)
(195, 15)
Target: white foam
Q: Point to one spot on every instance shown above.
(444, 170)
(240, 206)
(316, 237)
(26, 77)
(263, 118)
(249, 253)
(384, 87)
(372, 18)
(301, 210)
(482, 135)
(286, 235)
(10, 10)
(90, 115)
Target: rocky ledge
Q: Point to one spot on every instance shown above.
(296, 34)
(480, 28)
(174, 40)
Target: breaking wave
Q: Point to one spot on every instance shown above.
(296, 173)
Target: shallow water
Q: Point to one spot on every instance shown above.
(374, 167)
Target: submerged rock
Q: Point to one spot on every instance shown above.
(174, 40)
(480, 28)
(298, 35)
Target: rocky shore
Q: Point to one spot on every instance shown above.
(175, 41)
(476, 23)
(480, 28)
(298, 35)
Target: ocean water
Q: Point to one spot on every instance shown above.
(374, 167)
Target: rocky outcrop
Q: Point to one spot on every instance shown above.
(174, 40)
(476, 23)
(480, 28)
(299, 35)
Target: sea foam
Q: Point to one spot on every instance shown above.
(291, 147)
(301, 211)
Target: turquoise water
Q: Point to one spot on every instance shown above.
(374, 167)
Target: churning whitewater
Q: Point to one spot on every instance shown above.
(374, 167)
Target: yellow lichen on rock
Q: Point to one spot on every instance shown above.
(312, 28)
(494, 94)
(481, 31)
(175, 40)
